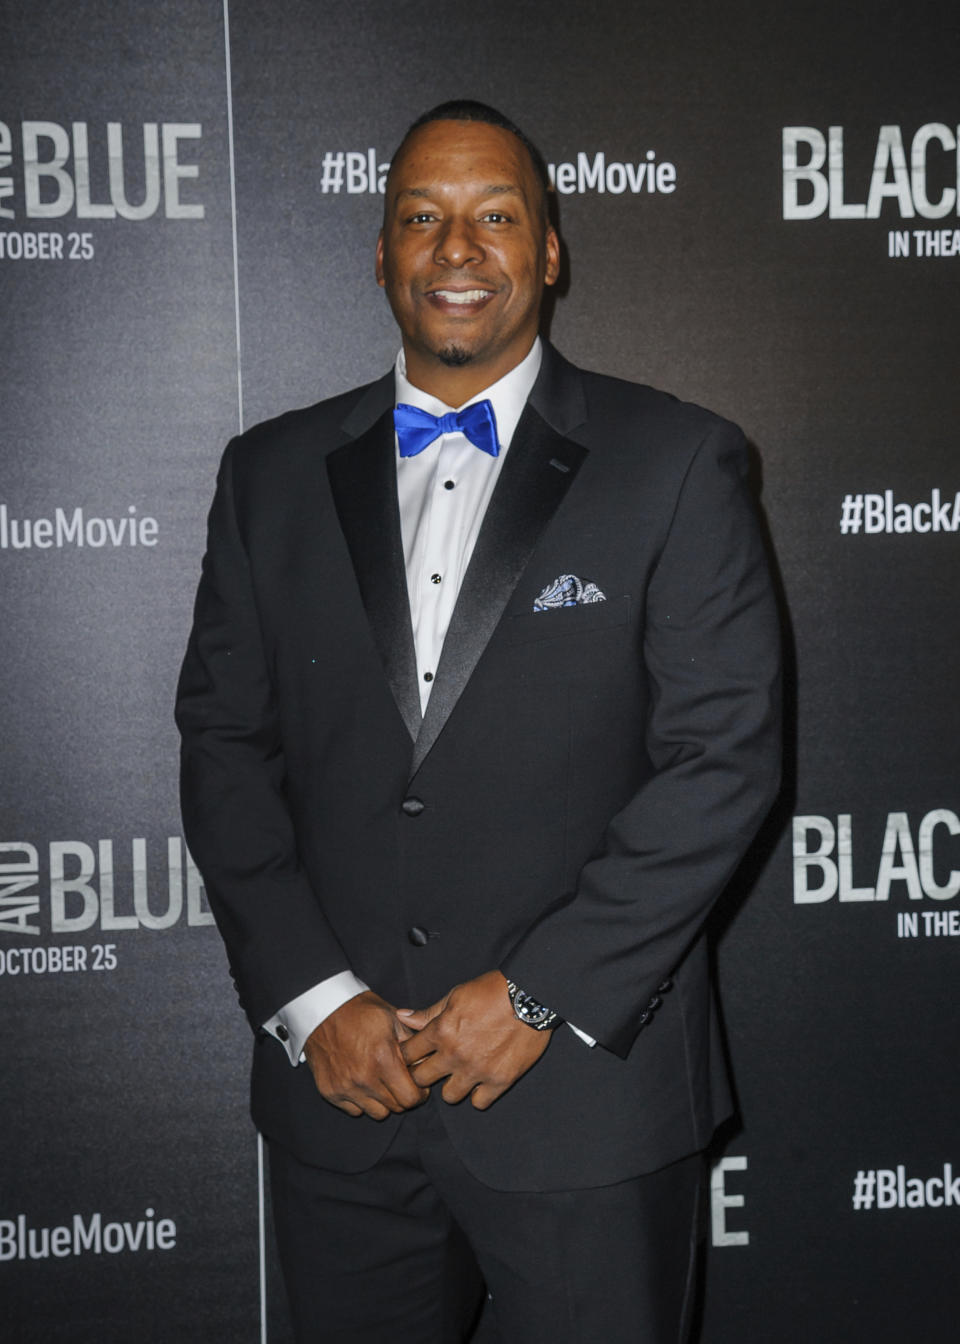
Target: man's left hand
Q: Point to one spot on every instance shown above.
(473, 1039)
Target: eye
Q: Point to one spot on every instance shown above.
(496, 217)
(421, 217)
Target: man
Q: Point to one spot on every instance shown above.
(479, 715)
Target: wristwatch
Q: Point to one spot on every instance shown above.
(529, 1010)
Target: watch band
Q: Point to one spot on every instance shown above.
(530, 1011)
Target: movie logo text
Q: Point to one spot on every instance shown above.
(82, 886)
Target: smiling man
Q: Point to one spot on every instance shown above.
(465, 251)
(479, 714)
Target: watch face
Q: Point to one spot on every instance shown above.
(529, 1010)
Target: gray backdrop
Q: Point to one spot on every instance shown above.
(189, 196)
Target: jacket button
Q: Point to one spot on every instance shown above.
(282, 1033)
(419, 937)
(412, 806)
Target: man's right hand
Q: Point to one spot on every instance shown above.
(354, 1056)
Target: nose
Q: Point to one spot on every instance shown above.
(458, 243)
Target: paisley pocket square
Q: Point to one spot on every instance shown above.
(568, 591)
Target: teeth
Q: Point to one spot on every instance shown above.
(462, 295)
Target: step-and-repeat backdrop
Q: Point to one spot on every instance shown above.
(761, 212)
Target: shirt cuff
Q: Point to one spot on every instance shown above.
(587, 1040)
(297, 1019)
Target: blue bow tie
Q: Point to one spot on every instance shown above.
(417, 429)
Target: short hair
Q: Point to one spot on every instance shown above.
(468, 109)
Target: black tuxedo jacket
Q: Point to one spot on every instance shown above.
(578, 793)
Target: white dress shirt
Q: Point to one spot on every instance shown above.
(443, 494)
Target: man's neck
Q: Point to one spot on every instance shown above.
(455, 385)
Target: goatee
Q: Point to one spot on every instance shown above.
(454, 355)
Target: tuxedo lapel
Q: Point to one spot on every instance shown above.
(540, 467)
(363, 479)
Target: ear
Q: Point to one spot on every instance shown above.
(378, 269)
(552, 271)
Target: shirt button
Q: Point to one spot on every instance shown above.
(418, 936)
(435, 578)
(428, 676)
(448, 485)
(412, 807)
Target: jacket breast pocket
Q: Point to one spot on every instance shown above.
(563, 622)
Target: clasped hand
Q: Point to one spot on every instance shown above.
(370, 1059)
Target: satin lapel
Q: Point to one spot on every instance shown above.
(363, 478)
(538, 472)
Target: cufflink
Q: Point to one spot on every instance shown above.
(282, 1033)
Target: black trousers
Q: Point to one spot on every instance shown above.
(402, 1253)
